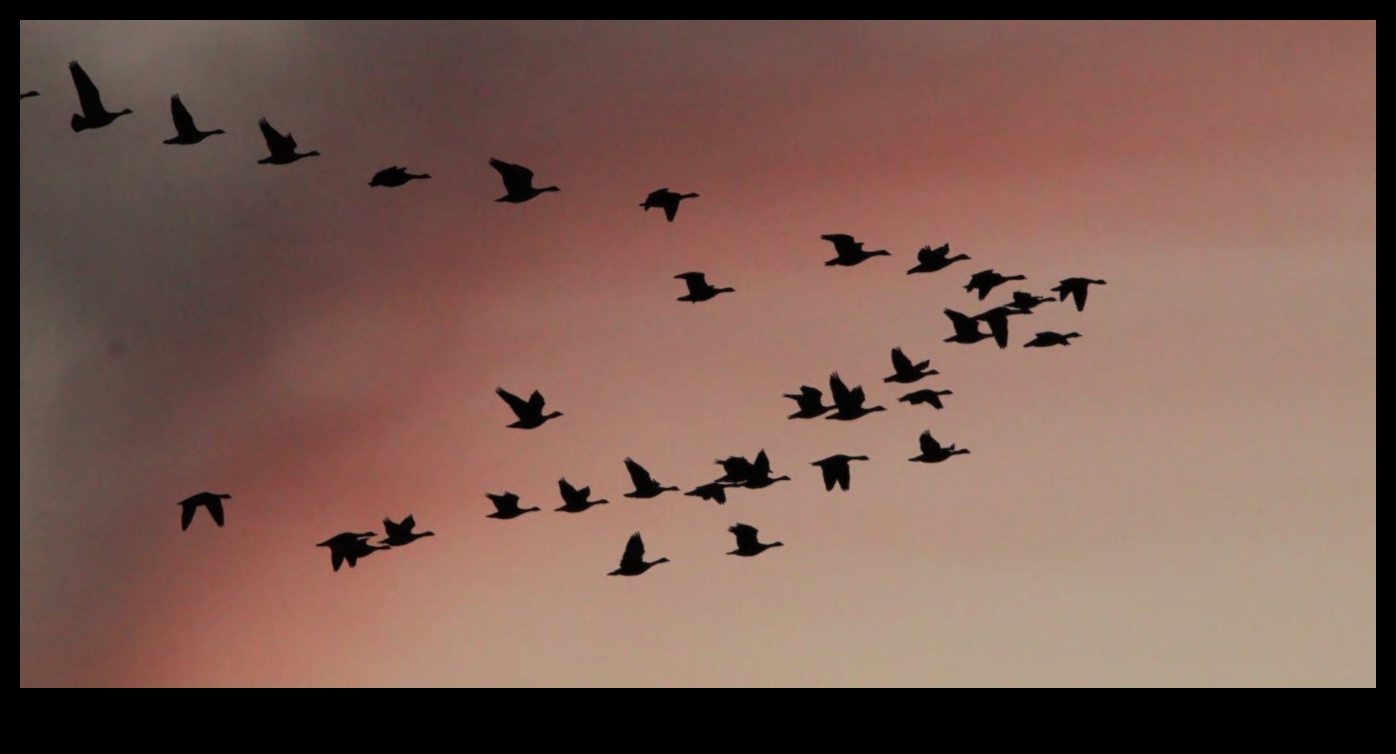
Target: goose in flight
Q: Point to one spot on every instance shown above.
(935, 260)
(836, 470)
(94, 115)
(395, 176)
(632, 563)
(966, 328)
(715, 491)
(283, 148)
(350, 547)
(1046, 339)
(848, 404)
(850, 252)
(699, 289)
(933, 452)
(506, 506)
(810, 401)
(399, 534)
(747, 544)
(186, 131)
(530, 412)
(988, 280)
(518, 181)
(752, 475)
(666, 200)
(997, 320)
(575, 500)
(210, 500)
(930, 397)
(1026, 302)
(906, 372)
(1076, 288)
(27, 95)
(645, 485)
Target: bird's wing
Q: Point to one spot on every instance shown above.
(634, 552)
(762, 466)
(900, 362)
(638, 475)
(215, 509)
(746, 535)
(1080, 295)
(671, 209)
(186, 516)
(812, 394)
(88, 96)
(844, 244)
(843, 475)
(408, 524)
(857, 396)
(998, 325)
(183, 121)
(569, 493)
(838, 390)
(277, 143)
(515, 176)
(697, 283)
(536, 402)
(830, 474)
(928, 443)
(519, 405)
(738, 468)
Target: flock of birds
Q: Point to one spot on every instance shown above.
(531, 413)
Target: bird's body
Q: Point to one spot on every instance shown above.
(715, 491)
(506, 506)
(699, 289)
(666, 200)
(350, 547)
(810, 401)
(282, 148)
(632, 563)
(1026, 302)
(836, 470)
(518, 182)
(850, 252)
(747, 544)
(575, 500)
(394, 177)
(935, 260)
(1076, 288)
(759, 476)
(848, 404)
(186, 132)
(997, 320)
(966, 328)
(987, 281)
(529, 412)
(1048, 339)
(212, 501)
(400, 534)
(933, 452)
(905, 372)
(27, 95)
(94, 115)
(928, 397)
(645, 485)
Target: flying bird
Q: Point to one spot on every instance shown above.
(210, 500)
(350, 547)
(715, 491)
(518, 181)
(906, 372)
(699, 289)
(27, 95)
(283, 148)
(399, 534)
(760, 474)
(666, 200)
(988, 280)
(931, 397)
(1076, 288)
(575, 500)
(933, 452)
(850, 252)
(1026, 302)
(747, 544)
(186, 131)
(530, 412)
(506, 506)
(632, 563)
(1046, 339)
(997, 320)
(645, 485)
(836, 470)
(935, 260)
(395, 176)
(966, 328)
(848, 403)
(94, 115)
(810, 401)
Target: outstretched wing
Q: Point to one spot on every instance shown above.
(1079, 293)
(638, 475)
(844, 244)
(516, 177)
(88, 97)
(927, 255)
(215, 509)
(505, 503)
(634, 556)
(857, 396)
(569, 493)
(762, 466)
(746, 536)
(830, 475)
(183, 121)
(520, 406)
(671, 208)
(277, 143)
(536, 402)
(900, 362)
(697, 282)
(929, 445)
(839, 391)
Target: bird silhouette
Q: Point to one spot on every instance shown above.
(935, 260)
(632, 563)
(987, 281)
(395, 176)
(283, 148)
(1026, 302)
(350, 547)
(848, 404)
(933, 452)
(759, 476)
(715, 491)
(1076, 288)
(645, 485)
(506, 506)
(997, 320)
(699, 289)
(666, 200)
(27, 95)
(518, 182)
(530, 412)
(836, 470)
(966, 328)
(94, 115)
(810, 401)
(736, 470)
(850, 252)
(399, 534)
(186, 131)
(747, 544)
(575, 500)
(210, 500)
(919, 397)
(1047, 339)
(906, 372)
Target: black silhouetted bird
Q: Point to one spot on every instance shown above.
(935, 260)
(350, 547)
(1026, 302)
(530, 412)
(836, 470)
(699, 289)
(810, 402)
(395, 176)
(518, 182)
(210, 500)
(987, 281)
(185, 130)
(632, 563)
(747, 544)
(645, 485)
(715, 491)
(850, 252)
(1076, 288)
(848, 404)
(399, 534)
(931, 397)
(1047, 339)
(906, 372)
(506, 506)
(27, 95)
(666, 200)
(933, 452)
(94, 115)
(282, 148)
(966, 328)
(575, 500)
(997, 320)
(760, 475)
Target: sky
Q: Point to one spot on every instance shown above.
(1184, 497)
